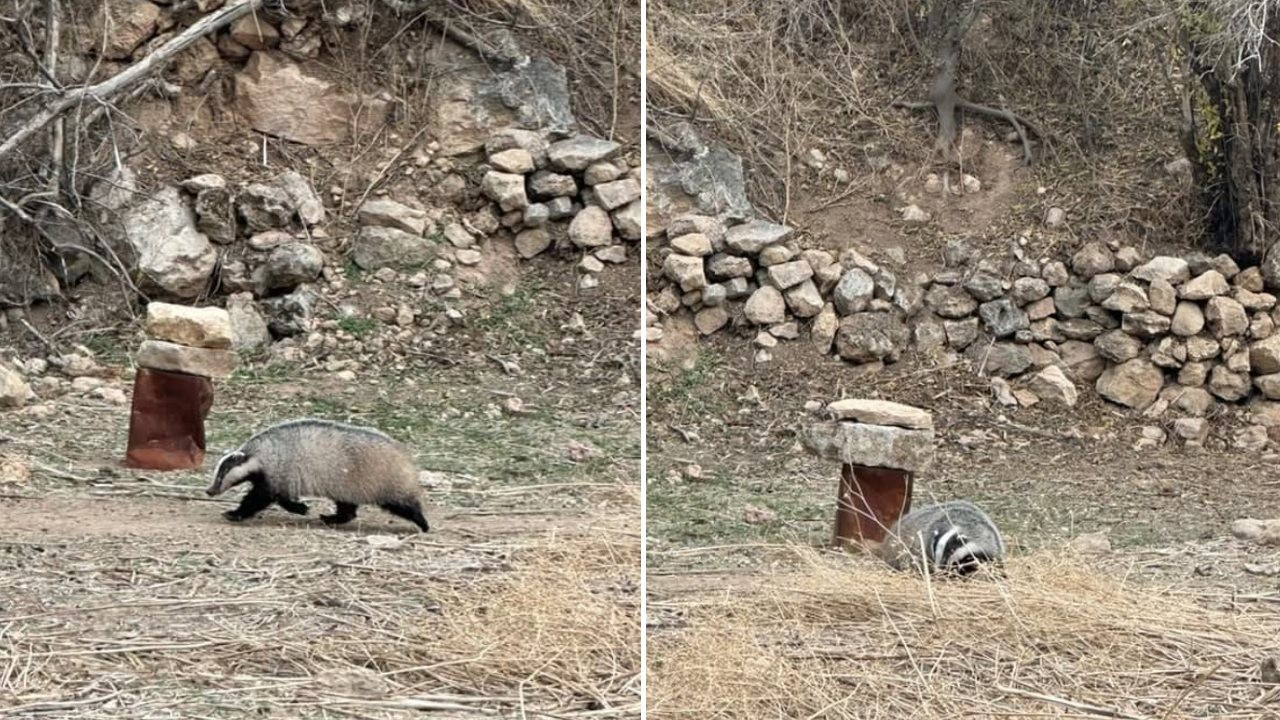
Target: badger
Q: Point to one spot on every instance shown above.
(951, 538)
(348, 464)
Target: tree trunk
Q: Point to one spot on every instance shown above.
(1231, 140)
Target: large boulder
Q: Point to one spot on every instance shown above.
(172, 255)
(279, 97)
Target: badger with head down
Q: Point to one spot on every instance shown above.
(348, 464)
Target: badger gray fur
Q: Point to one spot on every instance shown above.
(350, 465)
(949, 538)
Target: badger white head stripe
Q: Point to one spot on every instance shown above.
(940, 547)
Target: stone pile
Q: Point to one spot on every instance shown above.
(188, 340)
(575, 192)
(874, 433)
(1149, 333)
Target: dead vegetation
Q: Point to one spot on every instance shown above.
(773, 80)
(330, 625)
(847, 638)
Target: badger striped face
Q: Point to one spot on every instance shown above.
(233, 469)
(953, 552)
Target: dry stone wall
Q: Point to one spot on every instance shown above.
(1148, 333)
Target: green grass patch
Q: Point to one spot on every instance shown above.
(357, 326)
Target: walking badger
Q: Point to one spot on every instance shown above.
(350, 465)
(949, 538)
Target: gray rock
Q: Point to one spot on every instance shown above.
(1101, 286)
(752, 237)
(510, 138)
(532, 242)
(216, 215)
(685, 270)
(1163, 298)
(723, 267)
(1147, 325)
(1135, 384)
(506, 189)
(871, 445)
(804, 299)
(613, 195)
(1052, 385)
(1194, 401)
(601, 173)
(1027, 290)
(1082, 361)
(999, 360)
(1002, 318)
(776, 255)
(1071, 300)
(854, 292)
(1255, 301)
(591, 228)
(1041, 309)
(248, 327)
(1264, 355)
(302, 197)
(709, 320)
(871, 336)
(737, 288)
(289, 266)
(961, 333)
(1092, 259)
(1268, 385)
(289, 315)
(984, 286)
(1055, 273)
(536, 215)
(546, 184)
(1172, 270)
(822, 333)
(1127, 297)
(379, 247)
(389, 213)
(1226, 317)
(929, 334)
(1250, 279)
(172, 256)
(766, 306)
(265, 207)
(626, 219)
(1080, 329)
(1202, 348)
(1227, 385)
(949, 301)
(1118, 346)
(1188, 319)
(579, 152)
(789, 274)
(1225, 265)
(1209, 284)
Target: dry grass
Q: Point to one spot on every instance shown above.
(328, 626)
(850, 639)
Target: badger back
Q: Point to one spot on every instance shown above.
(343, 462)
(948, 537)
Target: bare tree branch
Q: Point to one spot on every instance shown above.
(152, 63)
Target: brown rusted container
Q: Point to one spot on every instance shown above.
(870, 501)
(166, 422)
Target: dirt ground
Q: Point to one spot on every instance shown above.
(1046, 475)
(126, 594)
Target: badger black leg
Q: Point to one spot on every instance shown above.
(344, 513)
(410, 512)
(254, 502)
(291, 505)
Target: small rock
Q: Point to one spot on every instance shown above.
(1226, 317)
(1135, 383)
(709, 320)
(1092, 259)
(532, 242)
(1209, 284)
(1055, 218)
(1052, 385)
(880, 412)
(1097, 543)
(915, 215)
(1172, 270)
(766, 306)
(506, 189)
(591, 228)
(516, 161)
(207, 327)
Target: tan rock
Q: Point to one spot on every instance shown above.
(201, 327)
(279, 97)
(161, 355)
(881, 412)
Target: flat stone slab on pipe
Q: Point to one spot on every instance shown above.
(875, 446)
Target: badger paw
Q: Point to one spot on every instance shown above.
(233, 516)
(293, 506)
